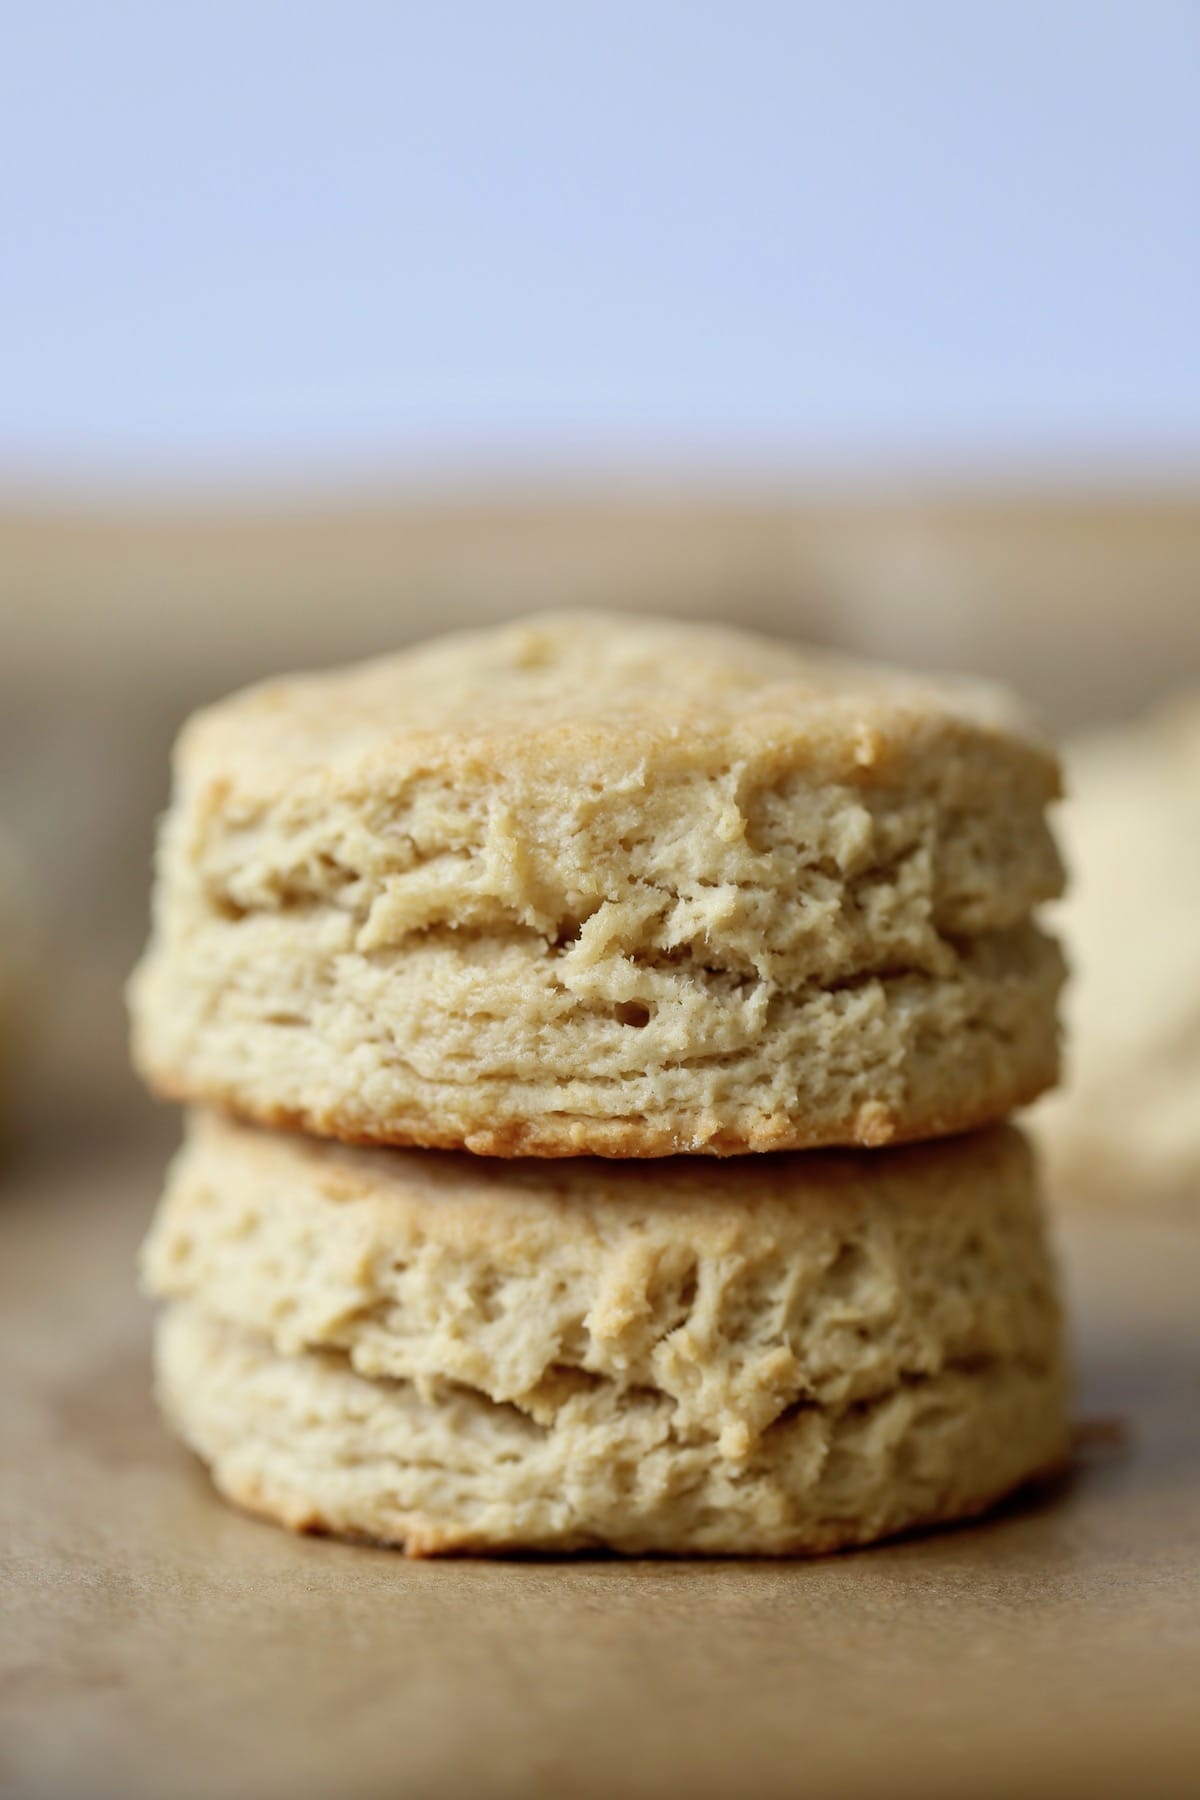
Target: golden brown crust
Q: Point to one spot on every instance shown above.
(871, 1127)
(576, 691)
(918, 1170)
(426, 1540)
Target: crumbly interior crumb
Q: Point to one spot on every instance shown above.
(307, 1441)
(731, 1292)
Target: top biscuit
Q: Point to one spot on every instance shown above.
(602, 884)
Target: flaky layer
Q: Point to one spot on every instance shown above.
(477, 1044)
(306, 1441)
(599, 885)
(729, 1291)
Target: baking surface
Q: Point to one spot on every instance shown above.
(155, 1642)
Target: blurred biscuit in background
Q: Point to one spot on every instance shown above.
(1126, 1130)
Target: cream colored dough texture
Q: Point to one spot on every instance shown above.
(601, 884)
(1126, 1131)
(780, 1354)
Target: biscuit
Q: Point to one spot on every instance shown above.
(771, 1355)
(603, 885)
(1126, 1130)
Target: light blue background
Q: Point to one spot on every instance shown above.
(282, 237)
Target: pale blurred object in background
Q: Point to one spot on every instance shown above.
(1126, 1130)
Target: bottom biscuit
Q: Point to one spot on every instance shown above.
(440, 1468)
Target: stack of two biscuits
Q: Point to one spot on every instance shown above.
(464, 958)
